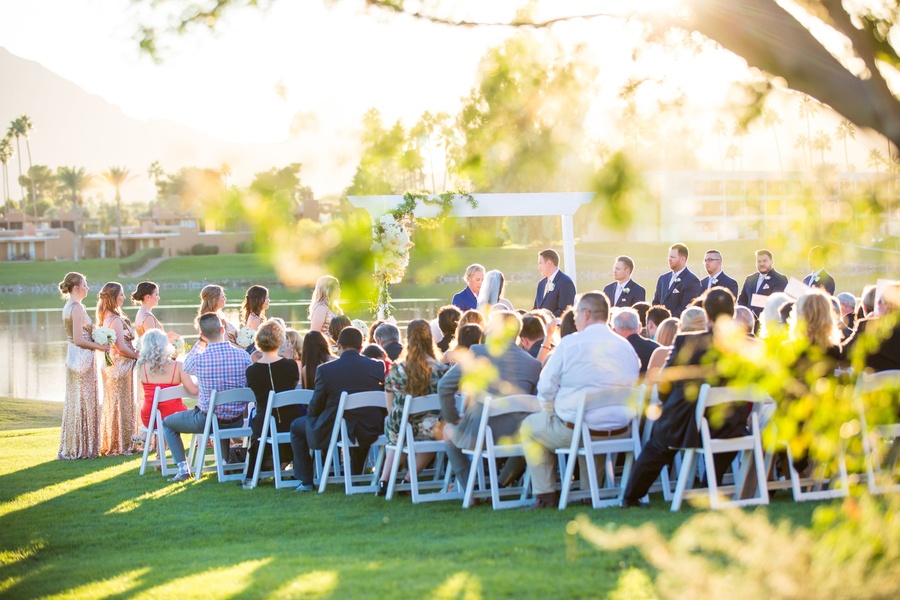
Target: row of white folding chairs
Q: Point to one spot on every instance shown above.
(876, 438)
(154, 428)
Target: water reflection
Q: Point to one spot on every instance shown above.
(34, 341)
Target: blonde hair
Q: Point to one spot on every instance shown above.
(69, 282)
(155, 350)
(294, 341)
(108, 300)
(270, 336)
(693, 319)
(209, 297)
(469, 317)
(327, 290)
(814, 319)
(666, 331)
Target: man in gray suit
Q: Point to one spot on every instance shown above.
(518, 373)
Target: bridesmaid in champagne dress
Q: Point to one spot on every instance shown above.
(146, 295)
(118, 423)
(80, 434)
(324, 304)
(212, 300)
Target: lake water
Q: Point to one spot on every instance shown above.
(33, 342)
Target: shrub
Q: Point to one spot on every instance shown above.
(203, 250)
(246, 247)
(139, 259)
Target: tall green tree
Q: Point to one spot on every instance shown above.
(116, 177)
(42, 184)
(74, 181)
(22, 128)
(822, 143)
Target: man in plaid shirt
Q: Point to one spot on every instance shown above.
(219, 367)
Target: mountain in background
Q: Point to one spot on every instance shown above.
(75, 128)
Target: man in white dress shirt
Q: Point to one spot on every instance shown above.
(595, 360)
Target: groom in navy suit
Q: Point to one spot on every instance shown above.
(676, 289)
(819, 278)
(623, 292)
(556, 291)
(715, 277)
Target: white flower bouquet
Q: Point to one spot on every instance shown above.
(245, 337)
(180, 346)
(105, 336)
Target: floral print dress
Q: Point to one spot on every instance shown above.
(422, 424)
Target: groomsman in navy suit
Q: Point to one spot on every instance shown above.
(765, 282)
(623, 292)
(676, 289)
(715, 277)
(556, 291)
(819, 278)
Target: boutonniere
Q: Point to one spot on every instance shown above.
(816, 280)
(678, 280)
(768, 277)
(715, 281)
(550, 286)
(626, 290)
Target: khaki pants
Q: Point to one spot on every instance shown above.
(542, 433)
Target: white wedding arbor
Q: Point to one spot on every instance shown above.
(540, 204)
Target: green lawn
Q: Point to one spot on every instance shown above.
(95, 528)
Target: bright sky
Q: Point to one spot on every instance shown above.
(248, 81)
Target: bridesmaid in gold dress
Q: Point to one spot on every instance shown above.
(80, 435)
(146, 295)
(324, 304)
(212, 300)
(119, 419)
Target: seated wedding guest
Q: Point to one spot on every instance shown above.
(656, 315)
(744, 319)
(361, 325)
(533, 335)
(867, 304)
(337, 325)
(324, 305)
(665, 336)
(693, 319)
(819, 278)
(219, 366)
(784, 313)
(417, 375)
(471, 316)
(467, 299)
(467, 336)
(157, 368)
(146, 295)
(376, 352)
(625, 322)
(541, 313)
(765, 282)
(271, 373)
(492, 292)
(567, 323)
(388, 337)
(876, 340)
(253, 310)
(517, 373)
(676, 426)
(448, 320)
(350, 373)
(372, 328)
(316, 351)
(770, 321)
(642, 308)
(293, 346)
(848, 309)
(624, 291)
(594, 361)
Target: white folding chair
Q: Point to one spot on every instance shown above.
(408, 445)
(749, 447)
(881, 388)
(340, 441)
(154, 427)
(272, 437)
(211, 430)
(487, 447)
(585, 445)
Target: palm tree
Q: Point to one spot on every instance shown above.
(732, 153)
(740, 130)
(808, 108)
(14, 130)
(822, 143)
(75, 180)
(6, 154)
(771, 119)
(23, 127)
(116, 176)
(801, 144)
(845, 129)
(718, 128)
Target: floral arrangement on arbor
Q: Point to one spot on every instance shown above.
(392, 240)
